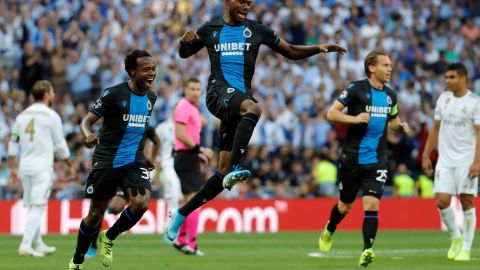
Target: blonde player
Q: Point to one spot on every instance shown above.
(456, 131)
(36, 135)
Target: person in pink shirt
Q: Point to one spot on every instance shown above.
(187, 156)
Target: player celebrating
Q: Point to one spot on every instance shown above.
(120, 200)
(233, 43)
(456, 130)
(372, 106)
(36, 134)
(118, 159)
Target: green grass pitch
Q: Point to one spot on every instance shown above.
(402, 250)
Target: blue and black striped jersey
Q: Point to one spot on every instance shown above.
(125, 117)
(233, 50)
(367, 143)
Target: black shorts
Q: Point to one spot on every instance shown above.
(187, 167)
(224, 102)
(102, 183)
(370, 178)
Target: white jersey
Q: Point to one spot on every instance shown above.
(457, 136)
(165, 132)
(37, 134)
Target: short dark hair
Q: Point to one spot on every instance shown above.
(459, 68)
(192, 80)
(371, 59)
(39, 89)
(131, 59)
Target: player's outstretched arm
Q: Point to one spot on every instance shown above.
(297, 52)
(190, 44)
(89, 138)
(336, 115)
(431, 143)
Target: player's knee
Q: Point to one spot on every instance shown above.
(255, 109)
(442, 204)
(139, 204)
(115, 209)
(344, 208)
(248, 106)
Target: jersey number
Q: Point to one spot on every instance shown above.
(382, 176)
(145, 173)
(30, 129)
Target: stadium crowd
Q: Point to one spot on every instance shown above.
(79, 46)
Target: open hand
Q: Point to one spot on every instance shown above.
(327, 48)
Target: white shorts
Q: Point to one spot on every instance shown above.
(454, 180)
(36, 188)
(171, 183)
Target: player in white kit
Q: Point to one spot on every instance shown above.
(456, 132)
(36, 135)
(172, 190)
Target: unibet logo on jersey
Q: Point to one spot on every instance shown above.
(378, 111)
(232, 48)
(136, 120)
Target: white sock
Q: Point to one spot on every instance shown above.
(32, 225)
(37, 240)
(469, 224)
(448, 217)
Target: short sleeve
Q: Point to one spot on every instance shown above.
(150, 132)
(102, 104)
(476, 113)
(347, 96)
(15, 131)
(437, 115)
(394, 110)
(269, 37)
(181, 113)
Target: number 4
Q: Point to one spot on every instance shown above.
(382, 176)
(30, 129)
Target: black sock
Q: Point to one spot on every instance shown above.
(369, 228)
(335, 218)
(209, 190)
(94, 240)
(127, 220)
(84, 239)
(242, 137)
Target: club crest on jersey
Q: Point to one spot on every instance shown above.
(106, 92)
(230, 90)
(465, 110)
(149, 105)
(389, 100)
(89, 189)
(98, 104)
(247, 33)
(344, 94)
(447, 101)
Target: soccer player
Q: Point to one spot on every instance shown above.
(36, 135)
(119, 159)
(120, 200)
(233, 43)
(456, 130)
(372, 108)
(172, 190)
(188, 126)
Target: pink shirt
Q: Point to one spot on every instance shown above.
(188, 114)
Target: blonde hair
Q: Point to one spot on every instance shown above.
(371, 59)
(39, 89)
